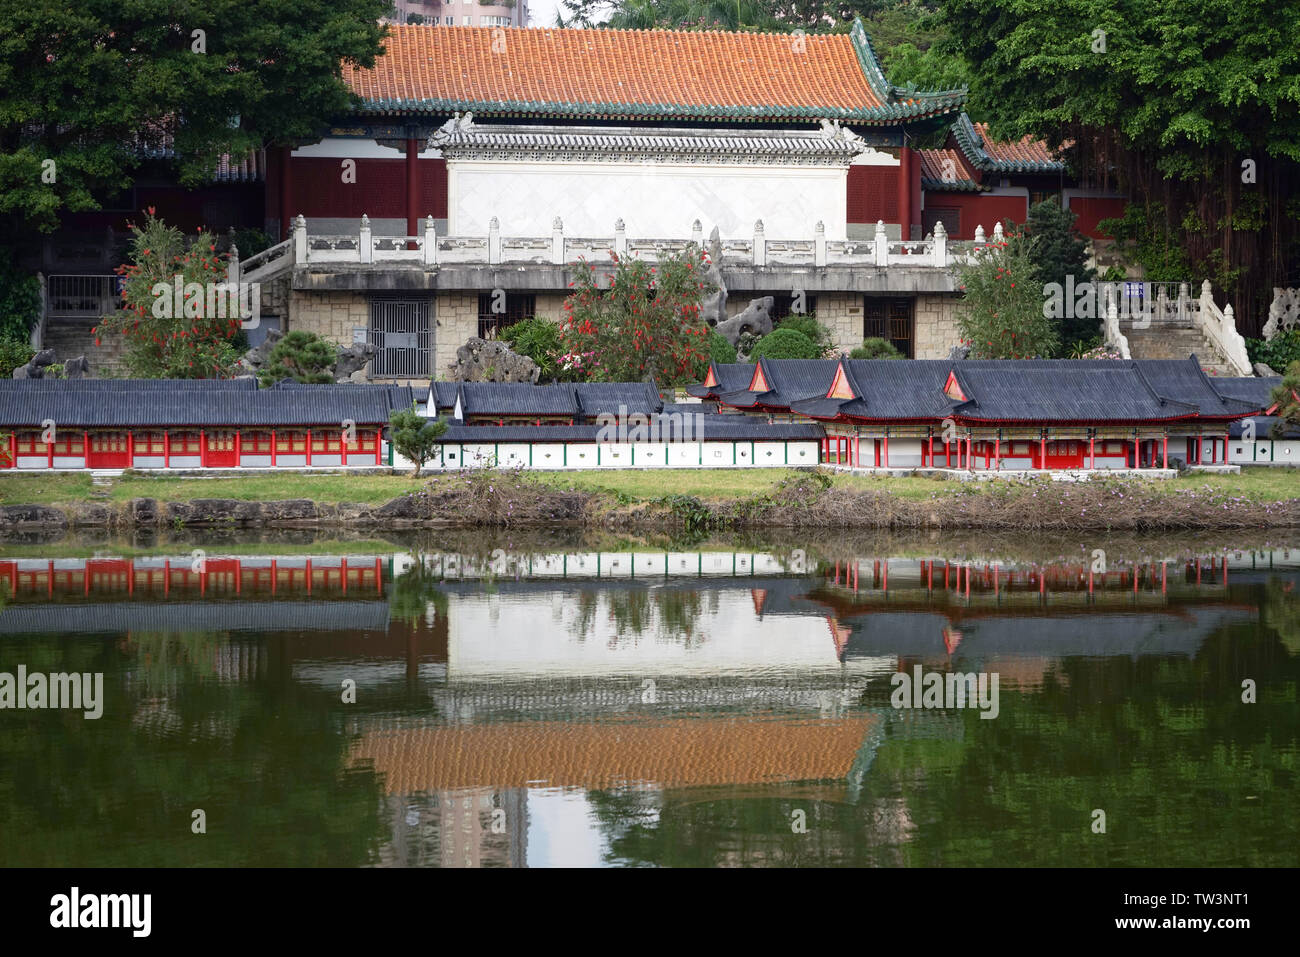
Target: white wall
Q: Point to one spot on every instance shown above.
(654, 201)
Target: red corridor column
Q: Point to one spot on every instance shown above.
(412, 186)
(286, 203)
(905, 159)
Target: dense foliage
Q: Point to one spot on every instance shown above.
(1195, 113)
(644, 323)
(88, 91)
(301, 356)
(807, 324)
(1277, 353)
(20, 300)
(193, 338)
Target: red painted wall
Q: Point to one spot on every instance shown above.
(979, 210)
(317, 188)
(1091, 210)
(873, 193)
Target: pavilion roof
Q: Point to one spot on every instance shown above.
(638, 75)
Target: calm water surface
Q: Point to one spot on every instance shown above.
(704, 705)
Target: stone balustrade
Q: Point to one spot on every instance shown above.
(429, 249)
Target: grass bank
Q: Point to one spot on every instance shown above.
(705, 499)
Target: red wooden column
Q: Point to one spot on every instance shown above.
(1042, 451)
(379, 443)
(49, 455)
(1200, 448)
(203, 447)
(273, 448)
(1226, 437)
(309, 446)
(130, 449)
(1092, 451)
(412, 186)
(905, 193)
(886, 450)
(286, 202)
(85, 450)
(239, 448)
(167, 449)
(997, 454)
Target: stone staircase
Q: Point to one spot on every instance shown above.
(70, 338)
(1159, 341)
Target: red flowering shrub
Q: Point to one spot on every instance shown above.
(171, 331)
(644, 322)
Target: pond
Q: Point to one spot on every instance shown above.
(553, 700)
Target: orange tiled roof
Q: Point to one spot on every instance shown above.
(673, 753)
(1026, 155)
(631, 74)
(935, 163)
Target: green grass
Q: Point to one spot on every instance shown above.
(1258, 484)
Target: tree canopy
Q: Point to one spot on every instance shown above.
(89, 92)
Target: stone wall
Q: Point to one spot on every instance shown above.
(936, 326)
(331, 315)
(457, 315)
(841, 313)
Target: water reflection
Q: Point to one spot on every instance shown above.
(650, 707)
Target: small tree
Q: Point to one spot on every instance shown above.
(644, 324)
(168, 339)
(876, 348)
(1059, 251)
(303, 357)
(414, 436)
(1001, 316)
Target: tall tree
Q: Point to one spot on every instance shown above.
(90, 90)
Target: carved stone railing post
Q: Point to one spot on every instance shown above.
(997, 231)
(819, 244)
(980, 239)
(697, 233)
(365, 245)
(232, 267)
(1111, 334)
(760, 244)
(940, 255)
(494, 241)
(557, 241)
(880, 248)
(430, 242)
(620, 238)
(300, 239)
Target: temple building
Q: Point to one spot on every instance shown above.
(480, 163)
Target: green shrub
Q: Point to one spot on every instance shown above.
(808, 325)
(720, 350)
(20, 300)
(541, 340)
(1277, 353)
(876, 348)
(785, 344)
(302, 356)
(13, 353)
